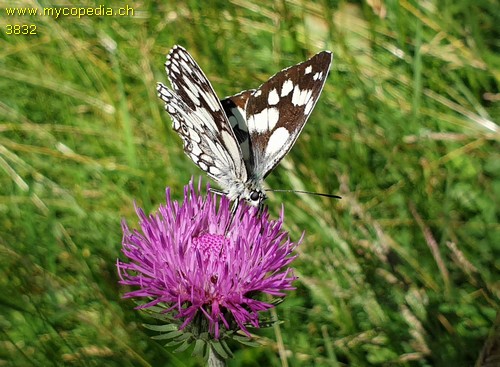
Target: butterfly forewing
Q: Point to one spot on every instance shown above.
(278, 110)
(198, 117)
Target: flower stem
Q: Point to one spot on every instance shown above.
(214, 360)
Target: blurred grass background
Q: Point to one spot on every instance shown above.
(403, 271)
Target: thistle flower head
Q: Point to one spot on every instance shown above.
(198, 259)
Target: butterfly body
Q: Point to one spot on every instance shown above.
(239, 140)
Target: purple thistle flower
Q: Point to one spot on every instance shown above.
(199, 260)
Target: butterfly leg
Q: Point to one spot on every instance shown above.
(261, 208)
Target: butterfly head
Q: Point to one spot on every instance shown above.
(251, 191)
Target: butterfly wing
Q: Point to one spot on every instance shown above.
(199, 119)
(235, 109)
(278, 110)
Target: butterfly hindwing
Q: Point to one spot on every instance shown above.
(235, 109)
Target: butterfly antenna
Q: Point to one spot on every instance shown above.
(309, 193)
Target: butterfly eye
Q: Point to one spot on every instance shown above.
(254, 196)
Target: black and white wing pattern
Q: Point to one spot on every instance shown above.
(239, 140)
(200, 120)
(277, 111)
(235, 109)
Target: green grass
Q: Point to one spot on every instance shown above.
(403, 271)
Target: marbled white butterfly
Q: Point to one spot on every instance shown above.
(238, 141)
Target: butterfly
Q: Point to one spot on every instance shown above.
(239, 140)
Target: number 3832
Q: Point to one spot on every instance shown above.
(16, 29)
